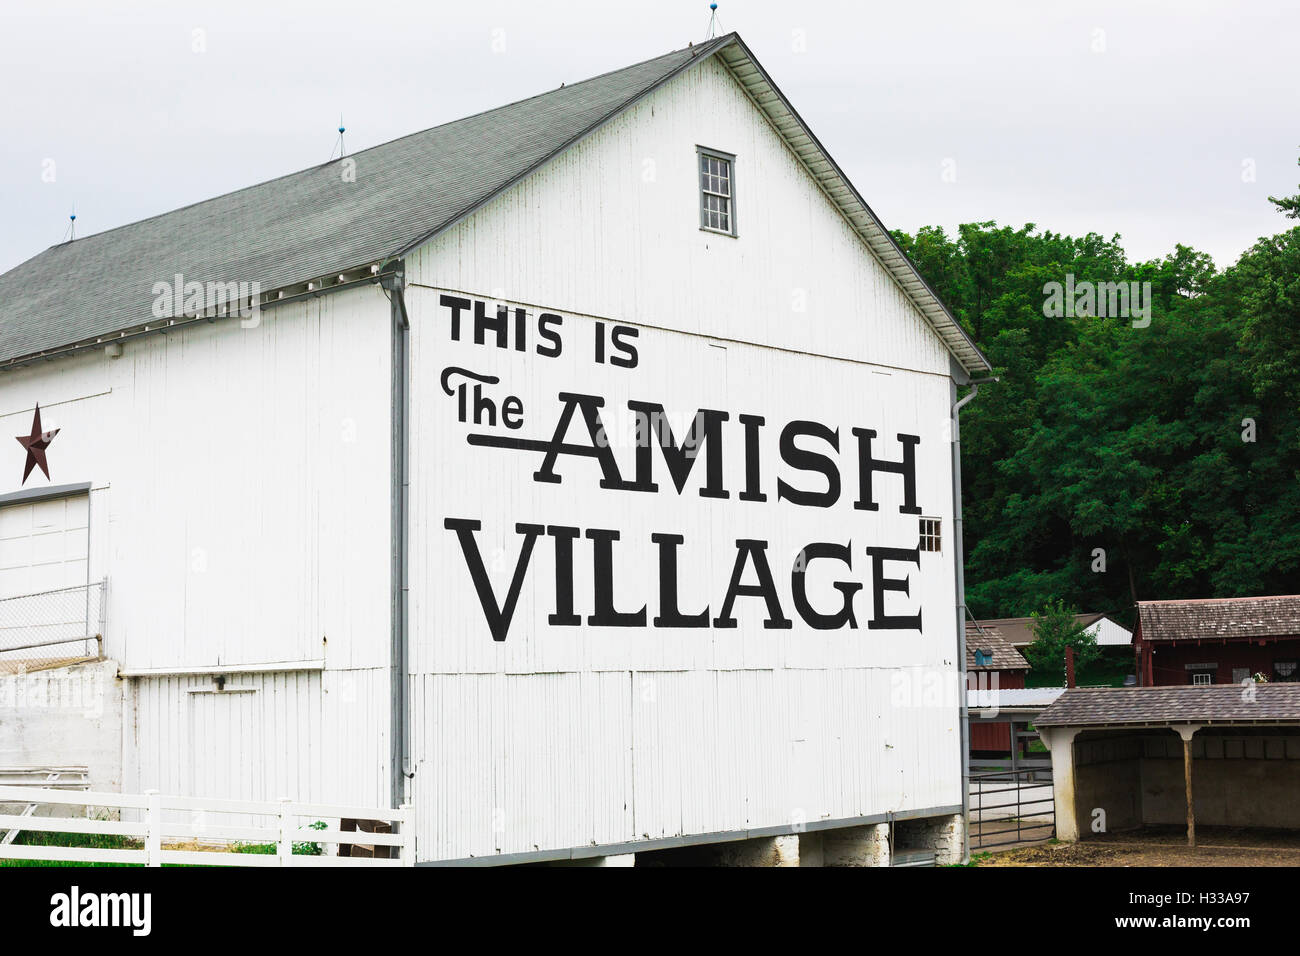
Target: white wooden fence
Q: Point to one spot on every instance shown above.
(156, 831)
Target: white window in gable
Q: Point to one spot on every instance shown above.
(717, 191)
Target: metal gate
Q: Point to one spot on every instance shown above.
(1011, 806)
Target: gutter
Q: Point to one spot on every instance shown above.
(394, 286)
(959, 567)
(364, 275)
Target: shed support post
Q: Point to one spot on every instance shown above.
(1186, 731)
(1060, 741)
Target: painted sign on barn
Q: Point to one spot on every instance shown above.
(625, 485)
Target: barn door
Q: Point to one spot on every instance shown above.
(225, 753)
(43, 545)
(45, 605)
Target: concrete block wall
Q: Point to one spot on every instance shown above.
(1258, 792)
(65, 717)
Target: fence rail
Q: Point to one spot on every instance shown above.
(148, 819)
(1011, 806)
(62, 778)
(52, 626)
(41, 777)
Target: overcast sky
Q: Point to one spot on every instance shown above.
(1164, 122)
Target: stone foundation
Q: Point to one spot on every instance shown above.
(761, 851)
(944, 835)
(857, 846)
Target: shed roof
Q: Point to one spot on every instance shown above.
(1003, 699)
(1005, 657)
(1217, 618)
(1188, 704)
(312, 224)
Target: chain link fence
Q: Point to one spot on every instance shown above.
(51, 627)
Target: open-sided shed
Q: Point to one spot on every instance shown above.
(1135, 756)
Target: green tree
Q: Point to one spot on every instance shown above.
(1289, 206)
(1113, 463)
(1055, 628)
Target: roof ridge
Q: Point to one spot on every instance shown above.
(1223, 600)
(711, 46)
(298, 226)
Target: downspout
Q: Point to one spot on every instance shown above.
(394, 286)
(958, 565)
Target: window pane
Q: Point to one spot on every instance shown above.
(715, 193)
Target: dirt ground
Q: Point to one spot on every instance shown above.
(1162, 846)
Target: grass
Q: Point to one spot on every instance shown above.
(299, 849)
(97, 841)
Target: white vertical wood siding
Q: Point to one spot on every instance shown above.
(564, 737)
(240, 510)
(240, 504)
(569, 736)
(305, 735)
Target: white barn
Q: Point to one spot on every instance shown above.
(582, 472)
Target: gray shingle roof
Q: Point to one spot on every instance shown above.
(313, 224)
(1214, 703)
(984, 637)
(310, 223)
(1217, 618)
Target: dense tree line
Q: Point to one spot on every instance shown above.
(1117, 460)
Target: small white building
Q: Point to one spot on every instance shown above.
(582, 472)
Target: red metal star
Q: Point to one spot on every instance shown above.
(36, 443)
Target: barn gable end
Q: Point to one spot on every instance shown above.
(599, 229)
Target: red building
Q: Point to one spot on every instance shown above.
(1218, 640)
(991, 664)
